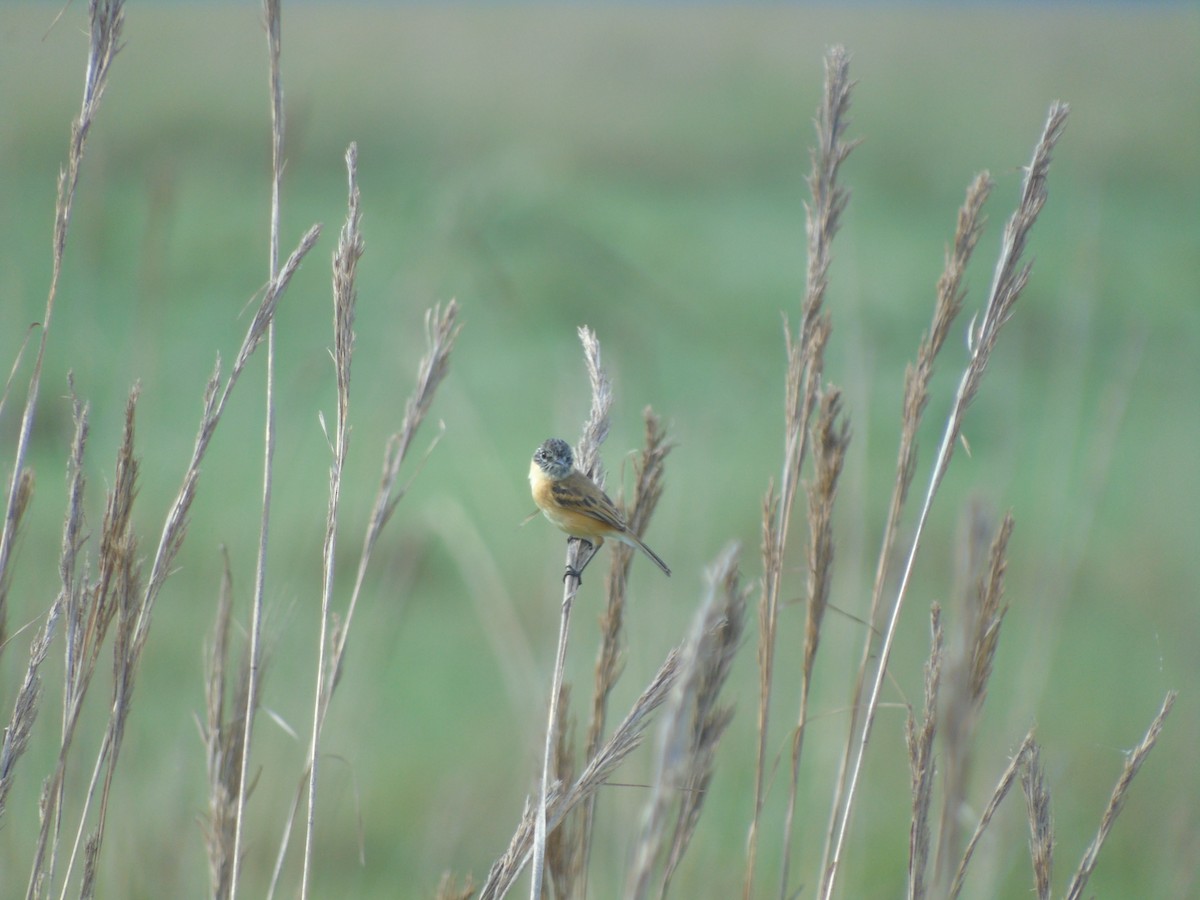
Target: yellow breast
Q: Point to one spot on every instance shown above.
(572, 521)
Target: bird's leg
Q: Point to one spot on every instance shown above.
(577, 574)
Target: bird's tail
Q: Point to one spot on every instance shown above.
(632, 540)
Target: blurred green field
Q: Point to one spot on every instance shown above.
(640, 171)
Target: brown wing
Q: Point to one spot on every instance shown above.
(577, 493)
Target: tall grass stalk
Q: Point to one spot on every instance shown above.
(345, 265)
(272, 15)
(692, 728)
(1133, 763)
(626, 737)
(587, 456)
(805, 364)
(105, 21)
(1010, 277)
(950, 294)
(648, 486)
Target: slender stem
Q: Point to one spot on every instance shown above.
(271, 9)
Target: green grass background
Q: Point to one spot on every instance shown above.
(640, 171)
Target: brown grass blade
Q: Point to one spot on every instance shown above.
(805, 363)
(1041, 826)
(921, 763)
(625, 739)
(1133, 763)
(1011, 276)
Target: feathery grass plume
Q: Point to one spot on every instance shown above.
(1041, 826)
(82, 625)
(441, 330)
(1133, 762)
(271, 14)
(105, 19)
(830, 438)
(227, 702)
(970, 668)
(222, 757)
(1011, 276)
(587, 456)
(26, 707)
(70, 575)
(87, 609)
(647, 489)
(805, 362)
(950, 294)
(921, 763)
(345, 295)
(562, 799)
(595, 429)
(692, 728)
(1001, 791)
(113, 595)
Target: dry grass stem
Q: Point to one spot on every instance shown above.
(441, 327)
(921, 763)
(648, 479)
(1010, 278)
(625, 739)
(345, 264)
(441, 330)
(692, 727)
(805, 362)
(222, 756)
(831, 437)
(1133, 762)
(112, 595)
(1041, 826)
(272, 17)
(587, 456)
(998, 795)
(970, 667)
(119, 591)
(951, 292)
(105, 20)
(25, 708)
(564, 856)
(215, 398)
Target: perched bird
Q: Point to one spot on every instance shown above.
(574, 503)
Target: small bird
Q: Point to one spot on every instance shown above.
(574, 503)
